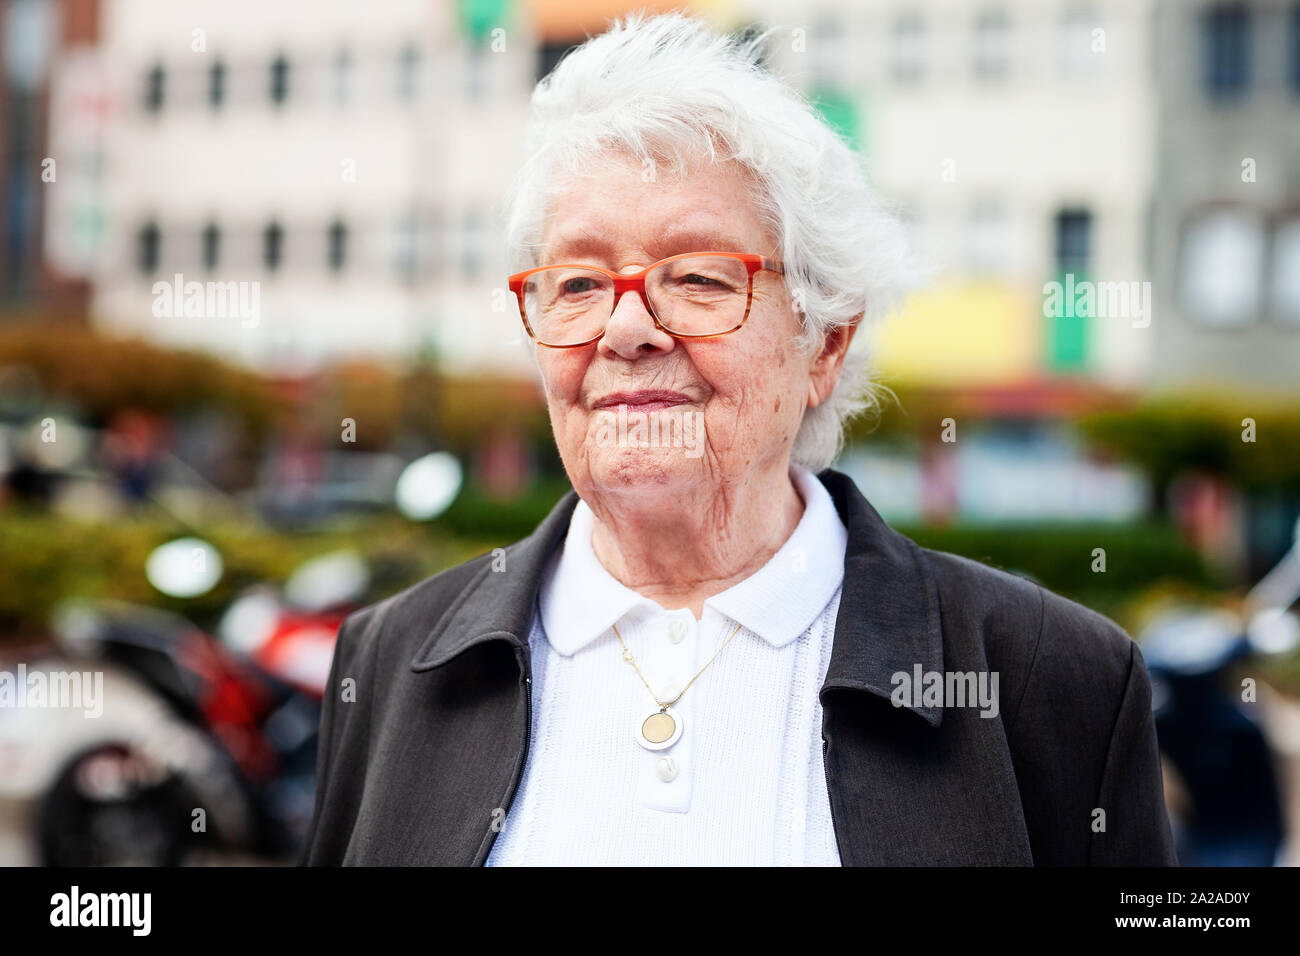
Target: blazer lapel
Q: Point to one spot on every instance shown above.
(472, 734)
(498, 604)
(907, 783)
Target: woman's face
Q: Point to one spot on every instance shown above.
(720, 409)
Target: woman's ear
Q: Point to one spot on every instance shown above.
(825, 369)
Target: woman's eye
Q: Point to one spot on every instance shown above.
(695, 279)
(576, 286)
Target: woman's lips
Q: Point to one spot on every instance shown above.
(649, 406)
(644, 401)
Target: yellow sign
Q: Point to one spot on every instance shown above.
(968, 333)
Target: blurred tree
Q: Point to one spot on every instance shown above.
(101, 374)
(1253, 442)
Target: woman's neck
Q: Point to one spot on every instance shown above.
(681, 549)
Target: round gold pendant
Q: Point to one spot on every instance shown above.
(660, 729)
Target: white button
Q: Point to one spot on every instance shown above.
(676, 631)
(667, 769)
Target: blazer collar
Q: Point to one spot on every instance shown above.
(888, 620)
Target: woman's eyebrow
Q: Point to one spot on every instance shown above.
(588, 243)
(672, 243)
(582, 243)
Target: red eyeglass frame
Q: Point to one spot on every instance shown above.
(635, 282)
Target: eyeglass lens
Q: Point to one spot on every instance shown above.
(697, 295)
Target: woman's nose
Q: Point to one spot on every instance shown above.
(631, 330)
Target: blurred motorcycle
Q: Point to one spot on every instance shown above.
(225, 757)
(1208, 728)
(243, 779)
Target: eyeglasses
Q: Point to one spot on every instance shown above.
(693, 295)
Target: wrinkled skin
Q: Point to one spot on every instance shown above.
(680, 524)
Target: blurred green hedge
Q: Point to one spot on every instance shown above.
(476, 515)
(1169, 434)
(1060, 557)
(45, 558)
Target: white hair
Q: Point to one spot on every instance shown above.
(670, 90)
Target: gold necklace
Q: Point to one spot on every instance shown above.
(663, 727)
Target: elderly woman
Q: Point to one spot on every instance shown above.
(713, 650)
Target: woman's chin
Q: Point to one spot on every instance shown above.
(645, 469)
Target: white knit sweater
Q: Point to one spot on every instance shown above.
(745, 784)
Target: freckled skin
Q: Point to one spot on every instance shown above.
(675, 527)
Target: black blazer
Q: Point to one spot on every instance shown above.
(427, 713)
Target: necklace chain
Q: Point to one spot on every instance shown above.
(627, 656)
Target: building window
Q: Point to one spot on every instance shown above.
(747, 34)
(1073, 241)
(150, 248)
(279, 88)
(992, 45)
(1226, 48)
(337, 245)
(1076, 55)
(908, 49)
(471, 249)
(828, 63)
(1221, 258)
(341, 74)
(433, 242)
(406, 245)
(551, 52)
(1068, 328)
(155, 88)
(217, 85)
(1293, 51)
(1286, 271)
(409, 63)
(988, 239)
(272, 246)
(909, 214)
(211, 242)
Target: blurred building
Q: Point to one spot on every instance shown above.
(1019, 139)
(351, 167)
(342, 169)
(960, 107)
(1226, 229)
(33, 35)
